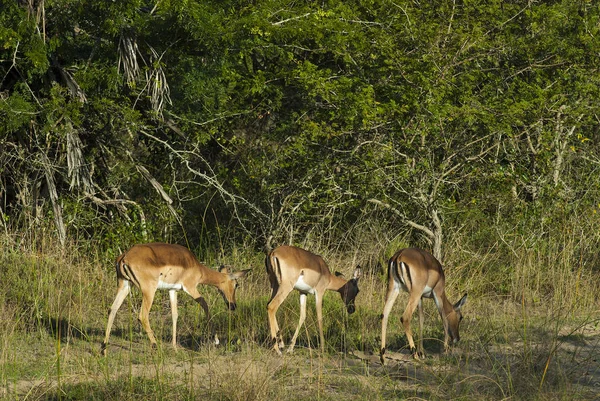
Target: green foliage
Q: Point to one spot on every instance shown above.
(232, 120)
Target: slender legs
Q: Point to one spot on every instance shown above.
(319, 305)
(391, 298)
(276, 301)
(174, 314)
(147, 300)
(123, 289)
(440, 306)
(415, 301)
(300, 322)
(420, 349)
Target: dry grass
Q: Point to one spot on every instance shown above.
(537, 336)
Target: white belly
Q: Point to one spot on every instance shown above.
(169, 286)
(302, 286)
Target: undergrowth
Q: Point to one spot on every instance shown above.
(531, 329)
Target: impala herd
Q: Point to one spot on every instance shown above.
(159, 266)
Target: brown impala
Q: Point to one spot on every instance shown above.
(158, 266)
(421, 275)
(292, 268)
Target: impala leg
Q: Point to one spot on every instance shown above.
(420, 349)
(302, 318)
(413, 302)
(147, 299)
(440, 307)
(272, 307)
(123, 289)
(193, 292)
(174, 315)
(319, 304)
(389, 303)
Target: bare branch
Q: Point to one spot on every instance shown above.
(291, 19)
(211, 180)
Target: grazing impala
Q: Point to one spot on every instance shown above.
(421, 275)
(157, 266)
(292, 268)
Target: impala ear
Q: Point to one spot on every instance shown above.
(357, 273)
(460, 303)
(240, 274)
(223, 269)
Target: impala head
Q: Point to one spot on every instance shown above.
(454, 319)
(229, 284)
(350, 290)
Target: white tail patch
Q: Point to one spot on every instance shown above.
(401, 277)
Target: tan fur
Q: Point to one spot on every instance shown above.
(147, 265)
(415, 270)
(285, 265)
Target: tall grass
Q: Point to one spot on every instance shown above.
(531, 329)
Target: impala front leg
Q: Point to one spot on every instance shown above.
(302, 318)
(319, 304)
(174, 315)
(420, 349)
(439, 303)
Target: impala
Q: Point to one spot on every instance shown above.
(292, 268)
(421, 275)
(158, 266)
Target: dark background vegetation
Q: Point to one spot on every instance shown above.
(211, 123)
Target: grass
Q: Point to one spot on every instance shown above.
(537, 336)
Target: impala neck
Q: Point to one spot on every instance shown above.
(336, 283)
(446, 304)
(212, 277)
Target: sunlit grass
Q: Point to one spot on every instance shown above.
(537, 339)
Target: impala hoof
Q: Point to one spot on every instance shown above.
(418, 355)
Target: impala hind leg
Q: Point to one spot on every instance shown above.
(389, 303)
(123, 289)
(273, 305)
(147, 299)
(413, 302)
